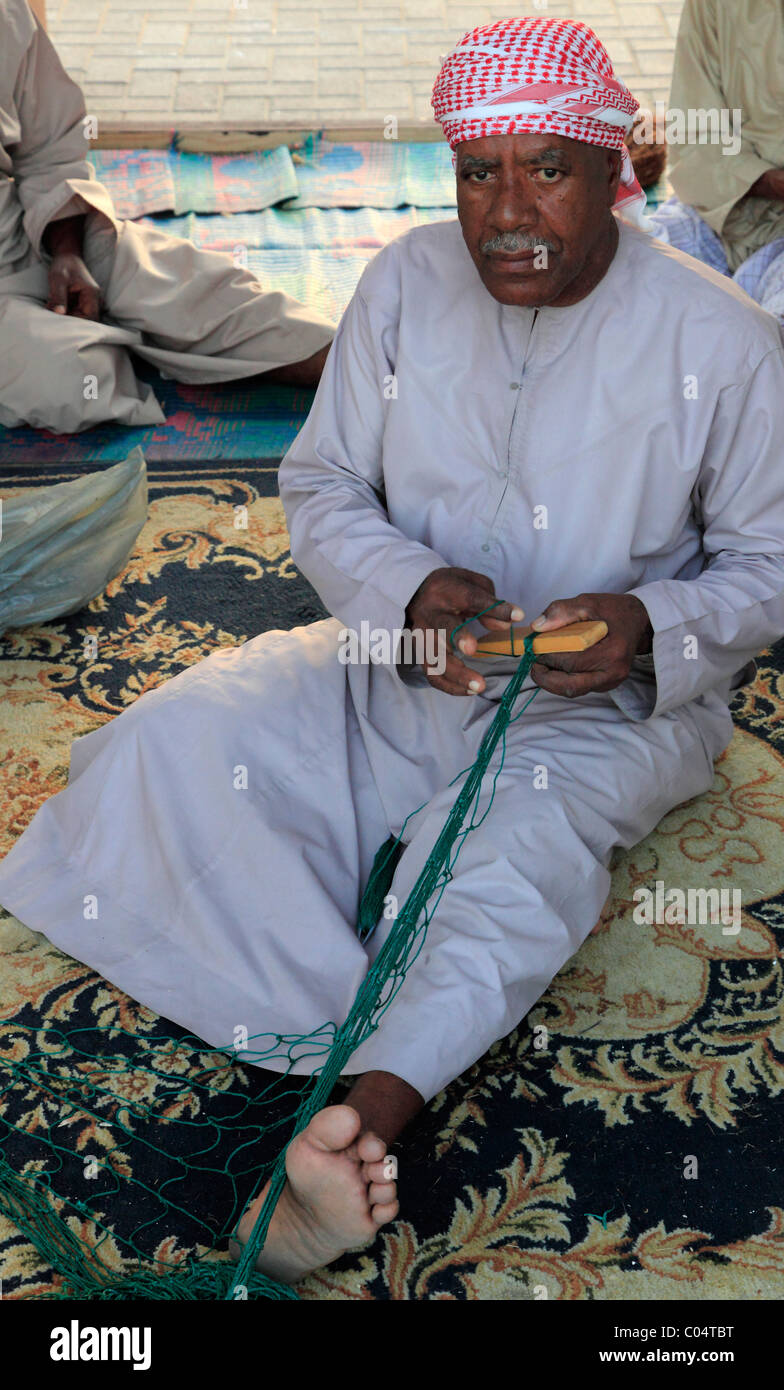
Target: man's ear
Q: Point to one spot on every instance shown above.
(614, 165)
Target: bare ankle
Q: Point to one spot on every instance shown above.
(385, 1103)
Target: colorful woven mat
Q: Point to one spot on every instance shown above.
(142, 182)
(233, 420)
(366, 174)
(294, 229)
(232, 183)
(324, 280)
(379, 174)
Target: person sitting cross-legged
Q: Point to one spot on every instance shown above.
(516, 461)
(80, 289)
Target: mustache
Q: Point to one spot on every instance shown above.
(514, 242)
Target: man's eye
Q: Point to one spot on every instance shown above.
(556, 172)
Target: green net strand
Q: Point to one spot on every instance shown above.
(86, 1276)
(189, 1074)
(406, 937)
(385, 863)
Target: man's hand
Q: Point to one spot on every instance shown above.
(607, 664)
(72, 289)
(769, 185)
(447, 598)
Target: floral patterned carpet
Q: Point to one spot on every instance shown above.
(635, 1156)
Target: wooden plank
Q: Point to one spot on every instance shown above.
(234, 137)
(574, 637)
(131, 138)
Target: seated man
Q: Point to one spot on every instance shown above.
(729, 208)
(478, 431)
(79, 288)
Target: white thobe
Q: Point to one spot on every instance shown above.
(194, 314)
(629, 443)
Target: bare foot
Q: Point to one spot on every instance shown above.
(335, 1199)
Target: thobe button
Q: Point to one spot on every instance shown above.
(485, 546)
(514, 386)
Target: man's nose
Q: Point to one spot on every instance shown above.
(514, 206)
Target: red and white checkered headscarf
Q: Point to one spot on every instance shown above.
(529, 75)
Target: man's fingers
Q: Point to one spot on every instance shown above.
(482, 581)
(565, 661)
(443, 625)
(596, 658)
(455, 678)
(73, 289)
(447, 601)
(449, 687)
(502, 616)
(469, 605)
(89, 302)
(466, 642)
(58, 292)
(570, 684)
(561, 612)
(608, 662)
(464, 599)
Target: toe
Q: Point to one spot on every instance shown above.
(334, 1128)
(385, 1171)
(381, 1193)
(371, 1149)
(383, 1213)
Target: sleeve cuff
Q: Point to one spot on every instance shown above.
(386, 611)
(636, 697)
(641, 693)
(372, 612)
(658, 680)
(70, 197)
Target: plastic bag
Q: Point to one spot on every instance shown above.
(60, 546)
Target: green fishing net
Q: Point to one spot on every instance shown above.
(205, 1130)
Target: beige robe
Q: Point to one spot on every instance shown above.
(194, 314)
(730, 54)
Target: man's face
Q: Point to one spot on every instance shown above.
(535, 214)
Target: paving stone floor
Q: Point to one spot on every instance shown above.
(312, 61)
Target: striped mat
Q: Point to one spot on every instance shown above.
(320, 174)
